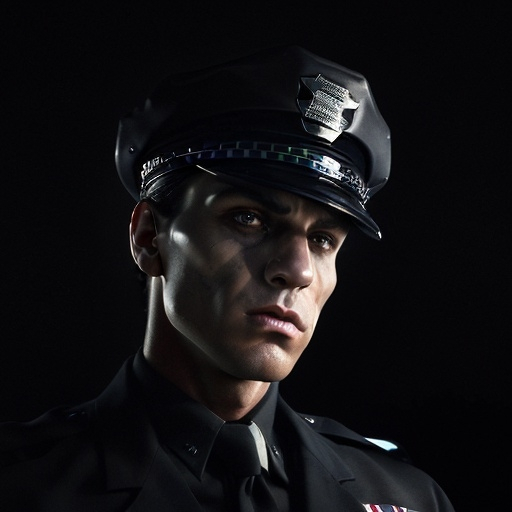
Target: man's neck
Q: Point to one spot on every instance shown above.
(178, 361)
(228, 397)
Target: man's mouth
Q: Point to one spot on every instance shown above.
(276, 317)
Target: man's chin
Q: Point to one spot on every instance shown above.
(266, 373)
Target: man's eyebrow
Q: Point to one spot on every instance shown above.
(331, 222)
(266, 198)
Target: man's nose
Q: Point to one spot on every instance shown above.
(291, 264)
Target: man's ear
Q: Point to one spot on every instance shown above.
(143, 241)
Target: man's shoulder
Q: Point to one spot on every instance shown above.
(25, 440)
(381, 470)
(76, 428)
(54, 461)
(341, 435)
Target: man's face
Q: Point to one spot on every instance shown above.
(246, 273)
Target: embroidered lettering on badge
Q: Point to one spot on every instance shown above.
(386, 508)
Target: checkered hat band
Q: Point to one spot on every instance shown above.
(323, 166)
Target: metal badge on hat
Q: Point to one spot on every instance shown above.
(325, 107)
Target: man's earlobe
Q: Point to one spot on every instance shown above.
(143, 240)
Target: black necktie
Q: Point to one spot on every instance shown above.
(236, 449)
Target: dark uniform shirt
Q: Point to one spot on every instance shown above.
(187, 430)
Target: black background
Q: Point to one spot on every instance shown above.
(412, 347)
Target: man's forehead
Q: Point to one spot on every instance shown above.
(273, 199)
(277, 201)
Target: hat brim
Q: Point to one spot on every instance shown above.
(297, 181)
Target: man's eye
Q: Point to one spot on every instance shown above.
(324, 241)
(248, 219)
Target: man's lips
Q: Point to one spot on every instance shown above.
(278, 317)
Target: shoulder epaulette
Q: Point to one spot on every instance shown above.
(25, 440)
(338, 432)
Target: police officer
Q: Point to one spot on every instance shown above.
(247, 178)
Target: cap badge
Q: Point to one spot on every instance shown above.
(322, 115)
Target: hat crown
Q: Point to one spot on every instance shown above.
(279, 95)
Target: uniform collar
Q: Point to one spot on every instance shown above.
(188, 428)
(313, 444)
(136, 460)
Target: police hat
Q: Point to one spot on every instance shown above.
(283, 118)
